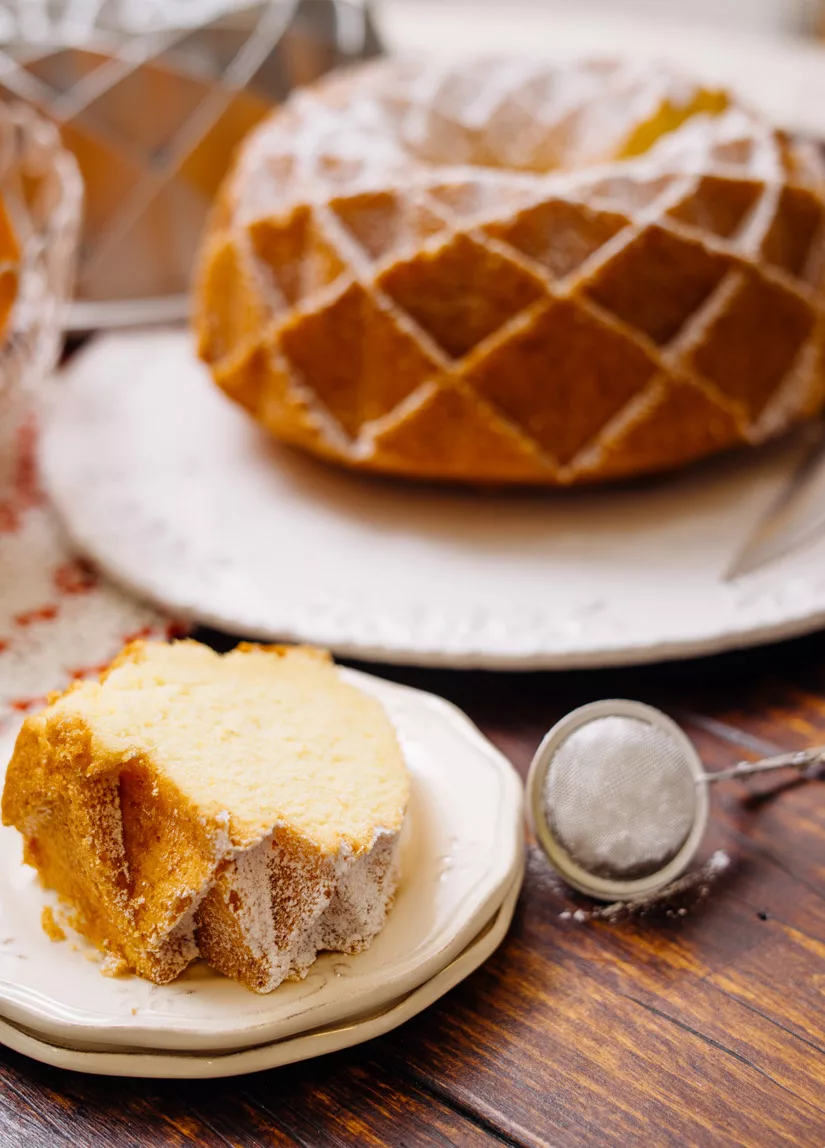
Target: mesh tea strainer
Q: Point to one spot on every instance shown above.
(618, 798)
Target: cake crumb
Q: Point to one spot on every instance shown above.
(113, 966)
(50, 926)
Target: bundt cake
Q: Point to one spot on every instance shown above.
(244, 807)
(517, 272)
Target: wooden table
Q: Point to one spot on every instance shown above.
(701, 1029)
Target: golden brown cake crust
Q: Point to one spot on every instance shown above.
(517, 273)
(159, 859)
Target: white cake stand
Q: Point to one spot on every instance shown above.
(177, 495)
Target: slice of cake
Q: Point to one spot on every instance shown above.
(244, 807)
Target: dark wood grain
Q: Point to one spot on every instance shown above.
(706, 1028)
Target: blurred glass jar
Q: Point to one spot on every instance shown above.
(42, 192)
(152, 96)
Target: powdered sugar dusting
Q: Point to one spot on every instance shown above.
(696, 884)
(280, 901)
(718, 863)
(420, 121)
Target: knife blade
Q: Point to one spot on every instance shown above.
(796, 517)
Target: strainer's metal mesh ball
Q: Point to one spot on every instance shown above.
(620, 797)
(617, 799)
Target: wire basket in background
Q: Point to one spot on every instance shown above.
(152, 97)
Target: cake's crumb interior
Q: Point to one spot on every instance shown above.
(53, 930)
(247, 733)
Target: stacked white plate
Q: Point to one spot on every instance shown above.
(462, 865)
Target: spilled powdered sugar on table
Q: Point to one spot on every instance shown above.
(694, 885)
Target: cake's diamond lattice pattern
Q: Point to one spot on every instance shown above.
(573, 308)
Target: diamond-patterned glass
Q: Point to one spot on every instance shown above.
(153, 98)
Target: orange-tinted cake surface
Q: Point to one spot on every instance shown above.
(244, 807)
(9, 268)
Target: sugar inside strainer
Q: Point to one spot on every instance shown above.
(618, 798)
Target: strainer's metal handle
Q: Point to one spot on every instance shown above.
(800, 759)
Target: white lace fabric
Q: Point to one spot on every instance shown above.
(59, 620)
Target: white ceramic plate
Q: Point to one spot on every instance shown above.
(463, 846)
(170, 1065)
(177, 495)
